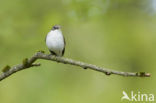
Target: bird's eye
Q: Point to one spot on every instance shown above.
(55, 27)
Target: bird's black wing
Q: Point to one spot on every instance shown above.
(64, 46)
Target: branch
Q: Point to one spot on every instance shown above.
(27, 63)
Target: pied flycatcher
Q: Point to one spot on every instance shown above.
(55, 41)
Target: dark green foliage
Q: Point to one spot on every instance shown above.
(141, 74)
(25, 62)
(6, 68)
(41, 51)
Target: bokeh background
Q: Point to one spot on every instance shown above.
(115, 34)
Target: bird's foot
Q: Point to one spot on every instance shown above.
(49, 54)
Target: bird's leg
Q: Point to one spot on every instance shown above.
(51, 53)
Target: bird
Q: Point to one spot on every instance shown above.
(55, 41)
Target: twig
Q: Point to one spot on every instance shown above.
(27, 63)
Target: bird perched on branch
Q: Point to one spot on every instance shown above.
(55, 41)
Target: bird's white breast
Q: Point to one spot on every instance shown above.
(55, 41)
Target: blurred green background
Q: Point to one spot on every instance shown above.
(116, 34)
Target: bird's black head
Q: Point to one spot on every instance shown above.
(56, 27)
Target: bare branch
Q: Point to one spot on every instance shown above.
(27, 63)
